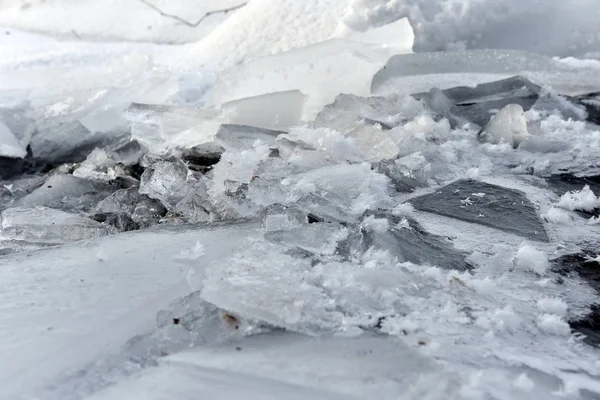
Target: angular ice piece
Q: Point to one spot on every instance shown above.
(98, 166)
(373, 144)
(142, 209)
(159, 128)
(67, 192)
(122, 222)
(354, 188)
(279, 217)
(562, 183)
(538, 144)
(513, 87)
(165, 181)
(319, 70)
(406, 240)
(195, 206)
(48, 225)
(264, 284)
(320, 238)
(414, 73)
(9, 144)
(406, 173)
(508, 126)
(348, 110)
(57, 141)
(501, 208)
(242, 137)
(16, 129)
(277, 111)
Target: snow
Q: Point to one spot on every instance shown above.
(529, 258)
(552, 306)
(584, 200)
(553, 324)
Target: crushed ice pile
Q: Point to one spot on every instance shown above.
(440, 209)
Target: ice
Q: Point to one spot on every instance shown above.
(500, 208)
(46, 225)
(16, 129)
(318, 70)
(508, 126)
(159, 128)
(583, 200)
(552, 305)
(242, 137)
(142, 209)
(554, 325)
(9, 144)
(529, 258)
(166, 181)
(75, 301)
(476, 105)
(320, 238)
(66, 192)
(282, 360)
(416, 73)
(373, 143)
(406, 240)
(98, 166)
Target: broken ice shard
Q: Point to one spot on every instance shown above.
(165, 181)
(242, 137)
(67, 192)
(42, 224)
(319, 238)
(406, 240)
(476, 105)
(142, 209)
(497, 207)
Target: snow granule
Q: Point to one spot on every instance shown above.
(553, 324)
(552, 305)
(557, 216)
(404, 209)
(530, 259)
(373, 224)
(523, 382)
(583, 200)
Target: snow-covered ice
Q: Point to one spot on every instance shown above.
(299, 199)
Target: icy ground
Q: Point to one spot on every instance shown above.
(300, 200)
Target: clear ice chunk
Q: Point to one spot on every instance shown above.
(242, 137)
(319, 70)
(319, 238)
(166, 181)
(142, 209)
(67, 192)
(42, 224)
(373, 144)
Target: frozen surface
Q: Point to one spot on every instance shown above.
(93, 296)
(50, 226)
(294, 236)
